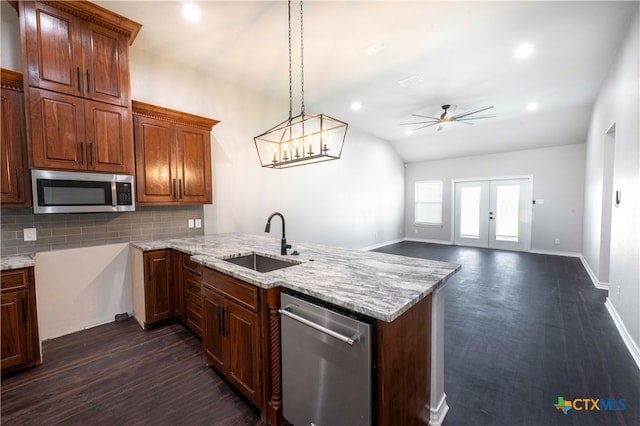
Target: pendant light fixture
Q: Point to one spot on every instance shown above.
(305, 138)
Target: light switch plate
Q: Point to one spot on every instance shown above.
(30, 234)
(198, 223)
(190, 223)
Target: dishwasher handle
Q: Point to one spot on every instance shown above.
(348, 340)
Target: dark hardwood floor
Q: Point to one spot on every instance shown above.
(118, 374)
(521, 330)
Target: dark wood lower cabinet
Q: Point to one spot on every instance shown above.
(20, 343)
(157, 287)
(231, 332)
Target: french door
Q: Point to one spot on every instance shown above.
(493, 214)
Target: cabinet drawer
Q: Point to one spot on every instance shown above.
(193, 316)
(17, 279)
(190, 265)
(244, 294)
(192, 287)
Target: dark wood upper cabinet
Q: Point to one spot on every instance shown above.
(76, 63)
(14, 172)
(173, 156)
(78, 48)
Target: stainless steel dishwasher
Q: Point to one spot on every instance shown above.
(326, 365)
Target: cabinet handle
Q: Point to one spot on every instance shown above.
(219, 321)
(18, 191)
(223, 332)
(24, 311)
(81, 146)
(180, 189)
(79, 79)
(88, 82)
(149, 269)
(90, 154)
(174, 190)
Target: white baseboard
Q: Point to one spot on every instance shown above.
(555, 253)
(597, 284)
(626, 337)
(422, 240)
(437, 414)
(386, 243)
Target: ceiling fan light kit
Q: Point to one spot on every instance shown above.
(305, 138)
(448, 117)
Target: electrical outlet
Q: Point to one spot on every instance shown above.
(190, 222)
(198, 223)
(557, 241)
(30, 234)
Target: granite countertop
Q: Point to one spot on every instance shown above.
(15, 262)
(379, 285)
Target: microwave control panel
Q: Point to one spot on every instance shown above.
(124, 194)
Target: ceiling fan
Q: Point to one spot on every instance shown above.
(448, 116)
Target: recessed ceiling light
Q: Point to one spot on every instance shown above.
(532, 106)
(356, 106)
(524, 51)
(191, 12)
(408, 132)
(375, 48)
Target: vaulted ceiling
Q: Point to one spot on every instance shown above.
(459, 53)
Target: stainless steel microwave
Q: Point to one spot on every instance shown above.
(76, 192)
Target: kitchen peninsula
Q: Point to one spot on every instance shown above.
(402, 295)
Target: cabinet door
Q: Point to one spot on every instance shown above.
(13, 172)
(244, 350)
(157, 289)
(155, 168)
(57, 130)
(194, 163)
(106, 65)
(213, 341)
(108, 138)
(13, 311)
(53, 48)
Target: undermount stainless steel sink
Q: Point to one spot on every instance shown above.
(260, 263)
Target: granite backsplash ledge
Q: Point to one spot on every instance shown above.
(64, 231)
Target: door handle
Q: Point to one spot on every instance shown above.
(175, 197)
(18, 190)
(24, 311)
(81, 148)
(180, 189)
(79, 78)
(88, 82)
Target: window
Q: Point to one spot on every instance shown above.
(428, 199)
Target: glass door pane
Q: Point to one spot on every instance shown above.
(507, 212)
(470, 212)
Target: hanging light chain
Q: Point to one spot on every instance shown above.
(290, 75)
(301, 59)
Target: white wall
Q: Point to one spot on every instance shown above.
(357, 201)
(558, 178)
(81, 288)
(10, 56)
(618, 102)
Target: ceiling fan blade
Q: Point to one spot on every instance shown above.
(420, 122)
(474, 118)
(468, 123)
(426, 116)
(475, 111)
(423, 127)
(441, 127)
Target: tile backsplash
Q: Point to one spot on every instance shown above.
(63, 231)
